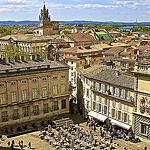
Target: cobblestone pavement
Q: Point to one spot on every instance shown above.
(38, 144)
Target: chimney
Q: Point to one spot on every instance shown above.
(4, 60)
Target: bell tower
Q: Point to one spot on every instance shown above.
(44, 17)
(46, 26)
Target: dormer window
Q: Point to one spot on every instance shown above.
(34, 80)
(13, 83)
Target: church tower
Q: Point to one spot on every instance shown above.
(44, 17)
(46, 26)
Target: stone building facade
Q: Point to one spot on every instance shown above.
(142, 115)
(108, 96)
(32, 90)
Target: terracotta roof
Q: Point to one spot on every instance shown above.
(81, 37)
(79, 50)
(114, 50)
(58, 40)
(126, 39)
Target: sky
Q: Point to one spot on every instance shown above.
(68, 10)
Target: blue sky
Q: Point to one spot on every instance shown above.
(95, 10)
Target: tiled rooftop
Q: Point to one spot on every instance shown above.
(81, 37)
(30, 64)
(106, 74)
(114, 50)
(28, 37)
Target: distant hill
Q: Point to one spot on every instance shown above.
(28, 22)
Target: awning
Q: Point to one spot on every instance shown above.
(97, 116)
(120, 124)
(101, 117)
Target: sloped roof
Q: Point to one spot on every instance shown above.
(106, 74)
(28, 37)
(114, 50)
(81, 37)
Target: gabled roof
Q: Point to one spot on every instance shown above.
(81, 37)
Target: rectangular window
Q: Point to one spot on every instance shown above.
(114, 103)
(119, 115)
(99, 86)
(4, 116)
(44, 78)
(120, 105)
(44, 91)
(143, 128)
(45, 108)
(55, 77)
(34, 92)
(3, 98)
(105, 109)
(87, 104)
(55, 105)
(63, 104)
(55, 89)
(15, 114)
(100, 108)
(13, 83)
(63, 89)
(116, 91)
(106, 101)
(24, 95)
(34, 80)
(13, 97)
(93, 105)
(87, 81)
(125, 117)
(36, 110)
(71, 62)
(63, 76)
(80, 62)
(23, 81)
(87, 94)
(113, 113)
(26, 111)
(2, 84)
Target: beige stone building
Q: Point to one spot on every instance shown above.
(142, 115)
(31, 90)
(107, 96)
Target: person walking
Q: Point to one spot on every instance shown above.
(29, 145)
(8, 144)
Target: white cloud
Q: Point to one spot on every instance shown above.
(131, 3)
(61, 6)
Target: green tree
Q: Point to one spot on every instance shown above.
(12, 52)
